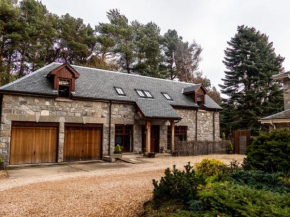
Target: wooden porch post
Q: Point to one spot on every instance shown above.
(148, 136)
(172, 135)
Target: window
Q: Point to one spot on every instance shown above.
(148, 94)
(120, 91)
(180, 134)
(64, 87)
(167, 96)
(124, 137)
(200, 100)
(140, 93)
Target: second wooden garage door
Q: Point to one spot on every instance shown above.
(82, 143)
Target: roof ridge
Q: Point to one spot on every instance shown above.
(26, 76)
(136, 75)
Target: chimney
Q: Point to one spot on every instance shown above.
(285, 77)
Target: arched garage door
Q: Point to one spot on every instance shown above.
(82, 142)
(33, 142)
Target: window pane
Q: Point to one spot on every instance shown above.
(118, 140)
(119, 91)
(63, 91)
(167, 96)
(148, 94)
(140, 93)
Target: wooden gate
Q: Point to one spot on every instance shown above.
(241, 141)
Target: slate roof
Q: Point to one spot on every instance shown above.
(281, 115)
(191, 88)
(99, 84)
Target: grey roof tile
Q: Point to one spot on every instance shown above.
(99, 84)
(280, 115)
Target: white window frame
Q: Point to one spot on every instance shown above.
(148, 94)
(141, 93)
(120, 91)
(166, 95)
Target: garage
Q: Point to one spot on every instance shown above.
(33, 143)
(82, 142)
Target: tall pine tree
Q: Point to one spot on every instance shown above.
(251, 92)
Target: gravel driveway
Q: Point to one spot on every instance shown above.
(112, 192)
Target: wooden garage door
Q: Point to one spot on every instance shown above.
(82, 142)
(33, 143)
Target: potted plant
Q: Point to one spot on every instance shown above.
(118, 151)
(1, 164)
(230, 148)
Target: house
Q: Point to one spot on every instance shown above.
(282, 119)
(64, 112)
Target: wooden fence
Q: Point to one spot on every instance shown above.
(189, 148)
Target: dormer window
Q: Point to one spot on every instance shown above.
(200, 100)
(120, 91)
(63, 80)
(197, 93)
(64, 87)
(166, 95)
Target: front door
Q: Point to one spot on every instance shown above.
(155, 134)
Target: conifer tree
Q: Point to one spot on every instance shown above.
(251, 62)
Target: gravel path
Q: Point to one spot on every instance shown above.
(112, 192)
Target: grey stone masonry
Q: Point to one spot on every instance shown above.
(34, 109)
(188, 119)
(40, 109)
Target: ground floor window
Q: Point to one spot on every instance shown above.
(124, 137)
(180, 134)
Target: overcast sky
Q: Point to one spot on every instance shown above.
(211, 23)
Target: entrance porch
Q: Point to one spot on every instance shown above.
(151, 134)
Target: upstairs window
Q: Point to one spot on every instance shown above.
(141, 93)
(200, 100)
(167, 96)
(148, 94)
(64, 88)
(120, 91)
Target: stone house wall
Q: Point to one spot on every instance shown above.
(204, 124)
(40, 109)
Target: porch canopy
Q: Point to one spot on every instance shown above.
(156, 110)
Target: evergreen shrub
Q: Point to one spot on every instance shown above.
(269, 152)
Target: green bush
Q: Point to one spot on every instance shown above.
(270, 152)
(178, 185)
(118, 149)
(1, 160)
(260, 180)
(237, 200)
(223, 136)
(210, 167)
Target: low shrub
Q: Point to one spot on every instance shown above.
(237, 200)
(269, 152)
(260, 180)
(178, 185)
(210, 167)
(118, 149)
